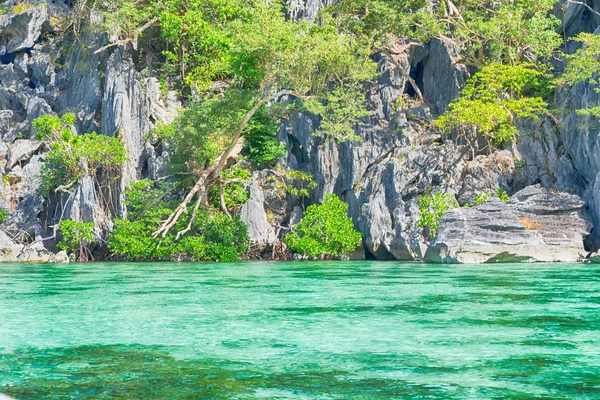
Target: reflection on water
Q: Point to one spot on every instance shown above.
(299, 330)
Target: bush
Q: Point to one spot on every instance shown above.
(502, 195)
(325, 231)
(432, 209)
(76, 238)
(73, 156)
(3, 215)
(213, 235)
(262, 148)
(234, 192)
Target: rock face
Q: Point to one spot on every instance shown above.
(398, 159)
(535, 225)
(45, 74)
(262, 234)
(21, 31)
(36, 253)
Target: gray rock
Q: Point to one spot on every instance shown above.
(42, 70)
(296, 216)
(487, 174)
(80, 205)
(262, 235)
(21, 31)
(22, 150)
(24, 219)
(306, 9)
(385, 204)
(537, 225)
(9, 78)
(37, 253)
(443, 77)
(37, 107)
(11, 252)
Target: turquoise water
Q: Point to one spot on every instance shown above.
(299, 330)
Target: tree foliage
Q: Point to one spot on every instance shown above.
(325, 231)
(213, 236)
(494, 99)
(432, 209)
(73, 156)
(76, 238)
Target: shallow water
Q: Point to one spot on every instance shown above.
(300, 330)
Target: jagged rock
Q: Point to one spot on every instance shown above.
(20, 63)
(123, 112)
(306, 9)
(80, 205)
(32, 176)
(487, 174)
(22, 150)
(35, 253)
(385, 204)
(576, 17)
(443, 76)
(21, 31)
(296, 216)
(9, 78)
(37, 107)
(262, 235)
(42, 70)
(80, 88)
(24, 218)
(535, 225)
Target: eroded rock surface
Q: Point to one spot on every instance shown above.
(535, 225)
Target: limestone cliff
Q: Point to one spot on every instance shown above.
(381, 177)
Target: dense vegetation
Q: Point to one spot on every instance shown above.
(212, 236)
(243, 67)
(325, 231)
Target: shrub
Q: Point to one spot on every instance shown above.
(262, 148)
(76, 238)
(480, 198)
(502, 195)
(432, 209)
(213, 235)
(3, 215)
(234, 192)
(73, 156)
(325, 231)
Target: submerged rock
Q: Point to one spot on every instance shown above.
(536, 225)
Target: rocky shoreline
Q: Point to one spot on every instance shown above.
(552, 175)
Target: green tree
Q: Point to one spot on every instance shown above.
(73, 156)
(213, 236)
(325, 231)
(77, 237)
(257, 56)
(492, 102)
(432, 209)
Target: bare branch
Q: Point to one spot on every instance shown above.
(580, 3)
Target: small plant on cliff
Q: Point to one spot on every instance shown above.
(480, 198)
(432, 209)
(73, 156)
(77, 237)
(492, 102)
(502, 195)
(325, 231)
(3, 215)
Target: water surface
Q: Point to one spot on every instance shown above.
(299, 330)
